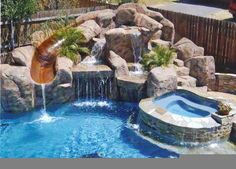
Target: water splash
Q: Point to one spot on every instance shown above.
(92, 103)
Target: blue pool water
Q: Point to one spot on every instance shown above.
(187, 104)
(80, 129)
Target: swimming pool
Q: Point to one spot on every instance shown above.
(187, 104)
(76, 130)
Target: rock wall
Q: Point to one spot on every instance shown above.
(225, 83)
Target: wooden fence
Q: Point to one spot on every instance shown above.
(217, 37)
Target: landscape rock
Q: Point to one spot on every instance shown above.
(145, 21)
(168, 30)
(118, 64)
(157, 35)
(104, 19)
(161, 80)
(154, 15)
(186, 81)
(90, 29)
(186, 49)
(124, 41)
(22, 56)
(125, 16)
(203, 69)
(142, 9)
(178, 62)
(182, 71)
(138, 7)
(160, 43)
(16, 89)
(91, 16)
(131, 88)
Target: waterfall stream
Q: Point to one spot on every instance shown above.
(137, 52)
(45, 117)
(92, 87)
(44, 98)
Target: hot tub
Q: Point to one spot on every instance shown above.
(181, 117)
(187, 104)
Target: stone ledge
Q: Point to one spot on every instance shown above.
(131, 81)
(83, 70)
(224, 120)
(131, 88)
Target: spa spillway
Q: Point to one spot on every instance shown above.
(182, 117)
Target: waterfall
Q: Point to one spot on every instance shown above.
(96, 52)
(44, 98)
(45, 117)
(137, 52)
(93, 87)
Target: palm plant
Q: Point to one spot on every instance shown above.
(71, 46)
(159, 56)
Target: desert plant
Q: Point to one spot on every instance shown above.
(223, 109)
(159, 56)
(71, 46)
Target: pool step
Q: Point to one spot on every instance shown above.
(186, 81)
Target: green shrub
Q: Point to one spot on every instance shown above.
(15, 12)
(159, 56)
(71, 47)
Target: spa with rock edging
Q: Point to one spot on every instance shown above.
(180, 128)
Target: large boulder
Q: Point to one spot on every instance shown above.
(16, 89)
(186, 81)
(125, 16)
(161, 80)
(90, 29)
(168, 30)
(142, 20)
(22, 56)
(160, 43)
(124, 42)
(118, 64)
(142, 9)
(138, 7)
(131, 88)
(186, 49)
(203, 69)
(105, 18)
(91, 16)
